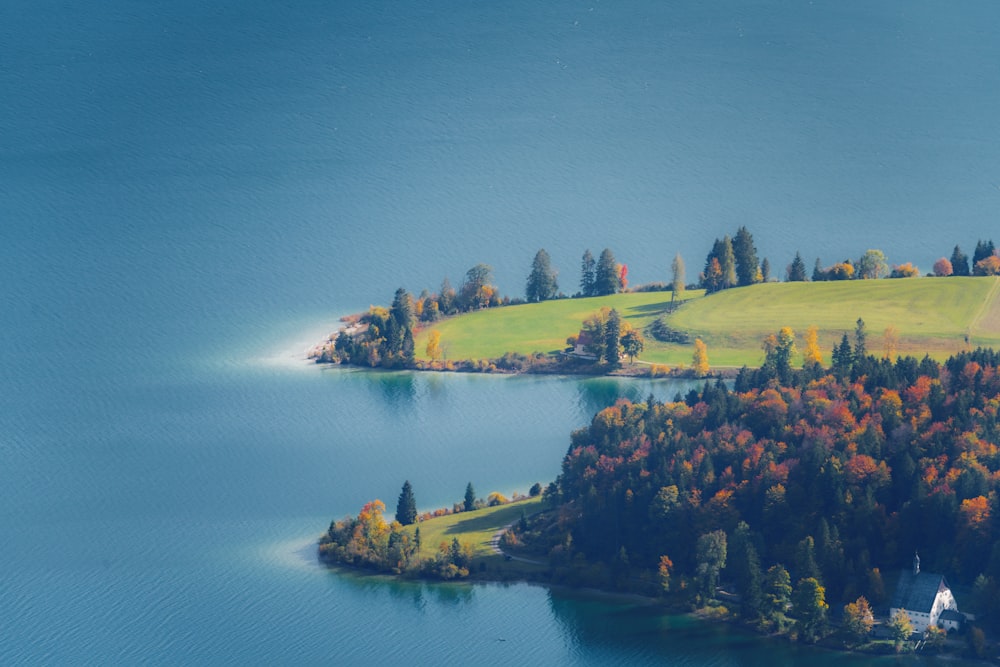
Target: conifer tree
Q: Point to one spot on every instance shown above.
(406, 508)
(612, 339)
(607, 278)
(959, 262)
(470, 498)
(745, 258)
(797, 270)
(587, 274)
(542, 283)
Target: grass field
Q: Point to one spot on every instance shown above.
(933, 316)
(477, 529)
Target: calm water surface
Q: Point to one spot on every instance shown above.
(193, 192)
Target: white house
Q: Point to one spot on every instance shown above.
(926, 599)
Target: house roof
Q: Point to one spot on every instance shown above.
(952, 615)
(917, 592)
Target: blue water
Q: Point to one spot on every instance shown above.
(191, 193)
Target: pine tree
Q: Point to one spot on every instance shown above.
(818, 273)
(406, 508)
(765, 270)
(727, 262)
(587, 275)
(470, 498)
(860, 348)
(612, 339)
(959, 262)
(542, 283)
(797, 270)
(745, 258)
(607, 276)
(984, 249)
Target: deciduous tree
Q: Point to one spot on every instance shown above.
(433, 348)
(812, 356)
(871, 265)
(699, 363)
(711, 558)
(900, 627)
(858, 618)
(943, 268)
(810, 607)
(677, 278)
(632, 343)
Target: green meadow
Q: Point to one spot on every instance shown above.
(935, 316)
(477, 528)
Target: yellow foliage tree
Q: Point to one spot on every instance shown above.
(890, 342)
(812, 356)
(699, 363)
(434, 345)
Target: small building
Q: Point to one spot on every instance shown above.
(926, 599)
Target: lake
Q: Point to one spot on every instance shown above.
(194, 192)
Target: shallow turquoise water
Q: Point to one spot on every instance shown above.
(194, 192)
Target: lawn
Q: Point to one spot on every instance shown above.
(477, 528)
(931, 316)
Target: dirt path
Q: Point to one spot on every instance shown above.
(495, 545)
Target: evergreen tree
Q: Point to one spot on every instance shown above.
(612, 339)
(809, 605)
(406, 507)
(745, 258)
(777, 592)
(797, 270)
(470, 498)
(542, 283)
(818, 273)
(588, 275)
(765, 270)
(842, 357)
(607, 278)
(959, 262)
(984, 249)
(860, 350)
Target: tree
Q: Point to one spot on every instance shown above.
(900, 627)
(699, 363)
(818, 272)
(872, 265)
(588, 275)
(890, 342)
(943, 268)
(797, 269)
(983, 250)
(765, 270)
(711, 558)
(988, 266)
(665, 569)
(470, 498)
(745, 566)
(809, 606)
(745, 258)
(477, 292)
(542, 283)
(860, 351)
(812, 356)
(906, 270)
(720, 266)
(677, 278)
(535, 490)
(633, 344)
(447, 299)
(959, 262)
(607, 275)
(843, 357)
(406, 507)
(727, 262)
(777, 592)
(858, 618)
(612, 339)
(593, 334)
(778, 351)
(433, 348)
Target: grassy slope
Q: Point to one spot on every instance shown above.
(931, 316)
(534, 327)
(477, 529)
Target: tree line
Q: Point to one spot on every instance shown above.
(825, 478)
